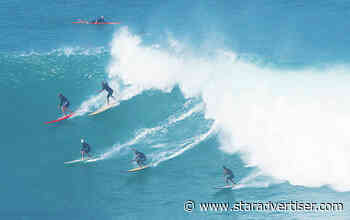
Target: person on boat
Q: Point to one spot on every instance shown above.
(98, 20)
(101, 20)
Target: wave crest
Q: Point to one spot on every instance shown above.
(291, 124)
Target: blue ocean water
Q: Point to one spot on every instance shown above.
(258, 86)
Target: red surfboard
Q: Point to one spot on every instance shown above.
(60, 119)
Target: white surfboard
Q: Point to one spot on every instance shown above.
(93, 159)
(86, 160)
(224, 187)
(139, 168)
(73, 161)
(104, 108)
(238, 186)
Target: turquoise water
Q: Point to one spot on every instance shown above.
(260, 87)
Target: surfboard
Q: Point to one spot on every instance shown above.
(73, 161)
(103, 108)
(81, 161)
(224, 187)
(87, 22)
(60, 119)
(93, 160)
(139, 168)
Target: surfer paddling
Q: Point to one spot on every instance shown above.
(228, 175)
(140, 158)
(64, 104)
(108, 89)
(85, 149)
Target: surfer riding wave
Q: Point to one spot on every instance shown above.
(110, 91)
(140, 158)
(64, 104)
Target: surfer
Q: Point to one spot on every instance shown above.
(85, 149)
(140, 158)
(106, 87)
(64, 104)
(228, 175)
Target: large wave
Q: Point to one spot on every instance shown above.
(291, 124)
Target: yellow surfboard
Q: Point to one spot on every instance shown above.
(103, 108)
(139, 168)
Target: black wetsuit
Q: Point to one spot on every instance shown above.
(106, 87)
(140, 158)
(86, 148)
(228, 175)
(64, 102)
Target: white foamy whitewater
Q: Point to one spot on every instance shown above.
(292, 125)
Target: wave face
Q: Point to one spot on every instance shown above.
(278, 119)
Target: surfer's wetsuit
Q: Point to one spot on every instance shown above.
(228, 175)
(64, 102)
(106, 87)
(140, 158)
(86, 148)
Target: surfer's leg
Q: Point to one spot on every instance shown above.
(231, 179)
(233, 183)
(88, 153)
(67, 110)
(67, 106)
(63, 109)
(112, 95)
(109, 95)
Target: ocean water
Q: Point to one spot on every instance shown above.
(258, 86)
